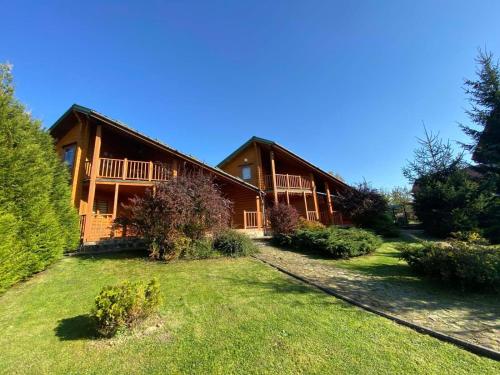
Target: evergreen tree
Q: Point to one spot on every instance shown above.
(446, 196)
(37, 219)
(484, 96)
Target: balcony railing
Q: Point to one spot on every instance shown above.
(250, 219)
(124, 169)
(288, 182)
(312, 216)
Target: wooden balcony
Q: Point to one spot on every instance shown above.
(289, 182)
(134, 170)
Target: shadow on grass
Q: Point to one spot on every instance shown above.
(80, 327)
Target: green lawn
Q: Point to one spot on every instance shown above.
(219, 316)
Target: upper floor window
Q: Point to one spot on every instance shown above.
(69, 155)
(246, 172)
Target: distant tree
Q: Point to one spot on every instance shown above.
(367, 207)
(37, 219)
(433, 157)
(401, 204)
(446, 197)
(484, 97)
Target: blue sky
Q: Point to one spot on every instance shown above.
(345, 84)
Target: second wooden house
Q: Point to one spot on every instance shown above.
(286, 177)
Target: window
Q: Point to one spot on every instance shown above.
(246, 172)
(69, 156)
(101, 207)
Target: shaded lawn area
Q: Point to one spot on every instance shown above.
(219, 316)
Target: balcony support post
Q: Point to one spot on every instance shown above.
(329, 202)
(244, 219)
(92, 184)
(150, 174)
(273, 173)
(315, 197)
(305, 204)
(125, 168)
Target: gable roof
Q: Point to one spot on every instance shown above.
(285, 150)
(155, 142)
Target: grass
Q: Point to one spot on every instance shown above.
(219, 316)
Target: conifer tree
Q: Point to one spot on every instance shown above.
(37, 220)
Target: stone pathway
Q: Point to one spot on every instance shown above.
(469, 319)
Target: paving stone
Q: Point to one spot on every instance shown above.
(473, 322)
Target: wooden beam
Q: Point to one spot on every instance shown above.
(115, 201)
(329, 202)
(305, 203)
(273, 174)
(260, 176)
(93, 177)
(259, 214)
(315, 197)
(79, 169)
(175, 168)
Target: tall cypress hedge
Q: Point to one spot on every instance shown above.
(37, 219)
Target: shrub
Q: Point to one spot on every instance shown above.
(336, 242)
(199, 249)
(124, 305)
(471, 265)
(37, 219)
(449, 202)
(472, 237)
(367, 208)
(234, 244)
(283, 220)
(309, 225)
(181, 210)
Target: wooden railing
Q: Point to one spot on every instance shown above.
(250, 219)
(124, 169)
(312, 216)
(288, 182)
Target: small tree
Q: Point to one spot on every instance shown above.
(446, 197)
(368, 208)
(182, 209)
(284, 220)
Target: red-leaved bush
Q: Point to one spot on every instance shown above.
(179, 210)
(284, 219)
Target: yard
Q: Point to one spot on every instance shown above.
(219, 316)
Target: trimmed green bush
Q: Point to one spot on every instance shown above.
(37, 219)
(336, 242)
(471, 265)
(199, 249)
(234, 244)
(124, 305)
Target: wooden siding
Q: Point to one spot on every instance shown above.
(234, 166)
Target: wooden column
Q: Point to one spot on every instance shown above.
(79, 168)
(125, 168)
(315, 197)
(260, 177)
(150, 174)
(174, 168)
(115, 201)
(244, 219)
(305, 204)
(329, 202)
(287, 189)
(273, 175)
(259, 214)
(93, 176)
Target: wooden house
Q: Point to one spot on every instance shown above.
(110, 162)
(286, 177)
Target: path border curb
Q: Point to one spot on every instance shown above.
(473, 348)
